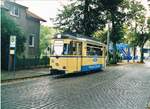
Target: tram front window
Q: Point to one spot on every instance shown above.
(60, 49)
(66, 49)
(57, 48)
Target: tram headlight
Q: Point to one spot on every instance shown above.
(64, 67)
(56, 64)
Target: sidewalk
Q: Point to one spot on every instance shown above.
(23, 74)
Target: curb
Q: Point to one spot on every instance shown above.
(23, 78)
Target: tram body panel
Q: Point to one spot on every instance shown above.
(69, 64)
(91, 63)
(73, 64)
(76, 64)
(59, 63)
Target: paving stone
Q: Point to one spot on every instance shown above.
(119, 87)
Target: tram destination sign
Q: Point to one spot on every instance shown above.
(12, 41)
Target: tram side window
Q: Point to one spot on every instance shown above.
(72, 49)
(79, 49)
(94, 51)
(65, 50)
(75, 48)
(90, 51)
(99, 52)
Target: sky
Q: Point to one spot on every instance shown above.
(46, 9)
(145, 4)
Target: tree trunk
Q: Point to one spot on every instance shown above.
(86, 17)
(134, 53)
(114, 53)
(142, 54)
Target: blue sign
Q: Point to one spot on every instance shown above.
(91, 67)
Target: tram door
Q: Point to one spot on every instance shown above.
(79, 55)
(74, 62)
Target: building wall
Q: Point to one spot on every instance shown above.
(21, 20)
(28, 26)
(33, 29)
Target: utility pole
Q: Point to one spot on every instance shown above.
(108, 39)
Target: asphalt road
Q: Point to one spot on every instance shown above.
(119, 87)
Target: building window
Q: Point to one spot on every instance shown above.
(14, 11)
(31, 41)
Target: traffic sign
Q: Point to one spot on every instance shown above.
(13, 41)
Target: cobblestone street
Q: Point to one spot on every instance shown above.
(119, 87)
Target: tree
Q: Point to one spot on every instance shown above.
(136, 13)
(8, 28)
(143, 36)
(139, 38)
(137, 27)
(115, 11)
(82, 17)
(89, 16)
(46, 34)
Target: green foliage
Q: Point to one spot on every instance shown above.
(101, 35)
(116, 14)
(138, 34)
(46, 33)
(131, 39)
(118, 58)
(136, 12)
(148, 24)
(83, 17)
(136, 15)
(142, 38)
(8, 28)
(90, 17)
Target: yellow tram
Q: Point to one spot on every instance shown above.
(75, 53)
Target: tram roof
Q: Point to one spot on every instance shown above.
(79, 37)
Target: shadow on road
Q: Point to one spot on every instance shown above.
(75, 75)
